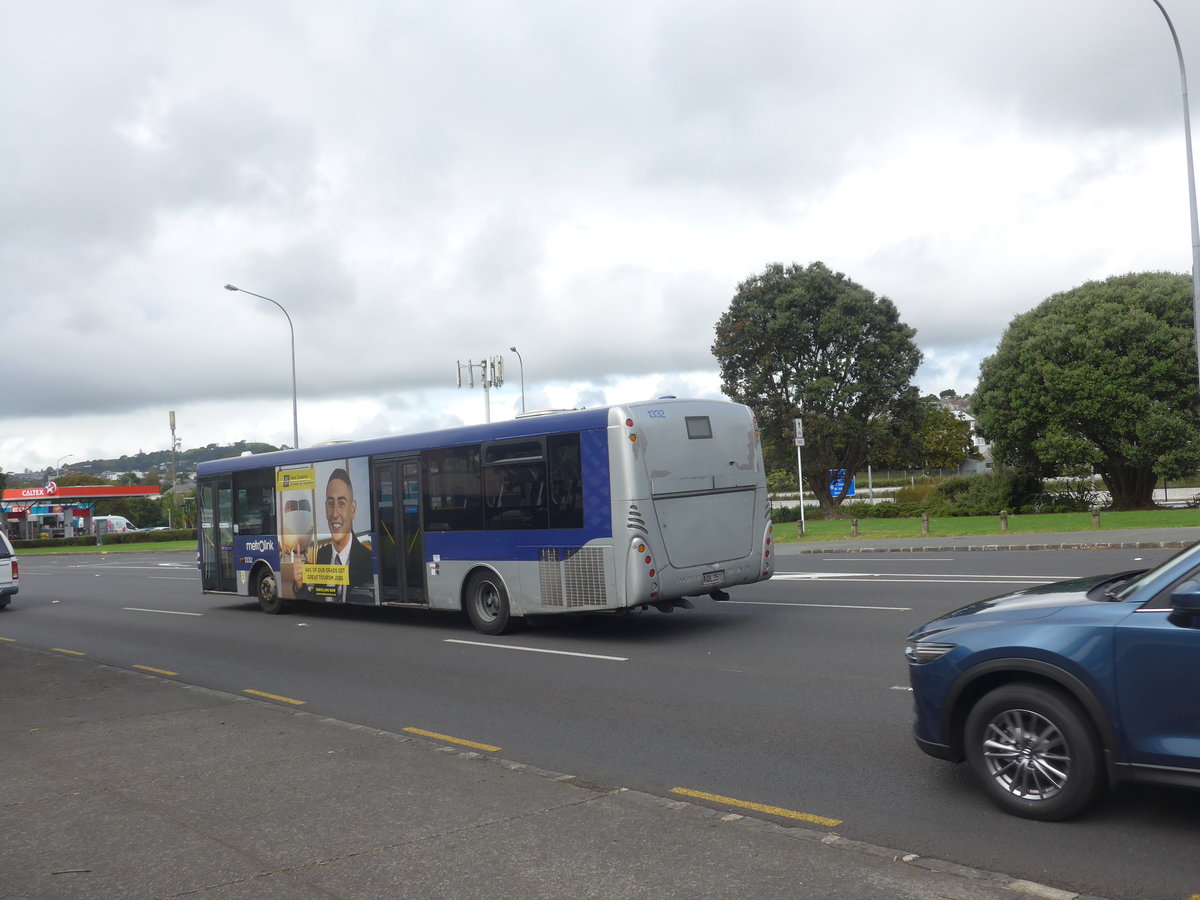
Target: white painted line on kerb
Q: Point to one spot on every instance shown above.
(538, 650)
(165, 612)
(919, 580)
(820, 605)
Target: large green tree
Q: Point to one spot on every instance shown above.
(808, 338)
(1103, 375)
(939, 439)
(945, 439)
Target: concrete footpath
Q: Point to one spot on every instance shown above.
(115, 784)
(119, 784)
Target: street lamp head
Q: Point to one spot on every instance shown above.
(232, 287)
(513, 349)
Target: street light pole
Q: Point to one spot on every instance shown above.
(295, 414)
(1191, 173)
(521, 364)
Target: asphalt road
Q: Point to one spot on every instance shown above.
(793, 696)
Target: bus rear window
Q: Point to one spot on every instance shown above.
(698, 427)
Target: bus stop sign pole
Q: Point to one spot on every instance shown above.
(799, 425)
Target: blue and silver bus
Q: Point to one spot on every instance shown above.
(615, 509)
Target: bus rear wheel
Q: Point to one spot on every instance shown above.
(267, 590)
(487, 604)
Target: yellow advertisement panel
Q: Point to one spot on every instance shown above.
(295, 480)
(315, 574)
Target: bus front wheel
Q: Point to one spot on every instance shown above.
(267, 591)
(487, 604)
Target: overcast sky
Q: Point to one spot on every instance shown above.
(420, 183)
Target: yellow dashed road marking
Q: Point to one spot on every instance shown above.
(487, 748)
(274, 697)
(759, 807)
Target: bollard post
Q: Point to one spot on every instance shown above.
(800, 528)
(924, 523)
(1004, 520)
(1095, 518)
(854, 528)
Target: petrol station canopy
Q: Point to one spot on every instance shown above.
(22, 501)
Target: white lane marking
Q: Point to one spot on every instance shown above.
(820, 605)
(538, 650)
(103, 568)
(916, 578)
(900, 687)
(889, 558)
(165, 612)
(170, 578)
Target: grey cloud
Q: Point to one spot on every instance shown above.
(414, 182)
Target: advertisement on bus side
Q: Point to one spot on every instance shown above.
(325, 531)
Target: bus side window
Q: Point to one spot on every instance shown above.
(255, 495)
(566, 481)
(512, 477)
(452, 489)
(513, 493)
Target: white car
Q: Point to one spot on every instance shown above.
(8, 571)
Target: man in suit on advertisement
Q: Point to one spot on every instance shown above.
(343, 549)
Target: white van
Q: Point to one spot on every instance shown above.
(9, 571)
(116, 524)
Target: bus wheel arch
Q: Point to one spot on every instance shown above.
(266, 589)
(486, 603)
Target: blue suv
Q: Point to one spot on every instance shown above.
(1054, 693)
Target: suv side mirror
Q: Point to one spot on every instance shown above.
(1185, 599)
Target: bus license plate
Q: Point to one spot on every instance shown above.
(714, 577)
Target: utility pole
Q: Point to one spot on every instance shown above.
(174, 479)
(491, 374)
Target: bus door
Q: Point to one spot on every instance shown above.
(397, 510)
(216, 535)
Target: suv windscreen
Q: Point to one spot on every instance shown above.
(1149, 576)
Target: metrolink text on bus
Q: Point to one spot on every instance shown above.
(613, 509)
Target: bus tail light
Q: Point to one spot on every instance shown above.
(642, 575)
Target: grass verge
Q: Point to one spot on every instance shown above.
(149, 546)
(969, 526)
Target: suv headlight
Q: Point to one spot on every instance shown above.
(926, 651)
